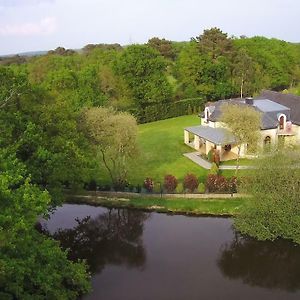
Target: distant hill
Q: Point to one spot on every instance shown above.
(28, 54)
(32, 53)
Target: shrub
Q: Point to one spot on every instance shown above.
(216, 158)
(201, 188)
(210, 155)
(179, 188)
(214, 170)
(120, 185)
(148, 184)
(170, 183)
(190, 182)
(92, 185)
(218, 183)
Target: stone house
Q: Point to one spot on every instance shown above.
(280, 125)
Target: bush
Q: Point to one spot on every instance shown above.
(213, 156)
(216, 157)
(190, 182)
(91, 185)
(179, 188)
(210, 155)
(170, 183)
(148, 184)
(218, 183)
(161, 111)
(214, 170)
(201, 188)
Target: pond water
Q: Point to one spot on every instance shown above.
(139, 256)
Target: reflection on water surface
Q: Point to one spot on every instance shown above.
(135, 255)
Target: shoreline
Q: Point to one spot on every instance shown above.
(210, 207)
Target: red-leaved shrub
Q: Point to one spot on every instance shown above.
(190, 182)
(148, 184)
(218, 183)
(170, 183)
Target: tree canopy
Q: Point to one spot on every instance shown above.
(244, 123)
(274, 209)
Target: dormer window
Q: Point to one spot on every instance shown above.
(282, 121)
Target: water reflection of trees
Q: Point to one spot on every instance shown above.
(114, 237)
(264, 264)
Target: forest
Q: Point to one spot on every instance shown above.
(59, 109)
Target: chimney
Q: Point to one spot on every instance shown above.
(249, 101)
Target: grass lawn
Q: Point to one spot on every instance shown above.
(242, 162)
(214, 207)
(161, 150)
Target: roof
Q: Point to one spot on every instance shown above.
(266, 105)
(288, 100)
(218, 136)
(270, 110)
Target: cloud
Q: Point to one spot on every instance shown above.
(45, 26)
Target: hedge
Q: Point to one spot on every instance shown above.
(161, 111)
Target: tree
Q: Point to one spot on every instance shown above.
(143, 69)
(43, 132)
(110, 238)
(113, 136)
(163, 46)
(32, 266)
(11, 87)
(214, 42)
(274, 209)
(204, 66)
(244, 70)
(268, 264)
(244, 123)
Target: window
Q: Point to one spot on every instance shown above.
(282, 121)
(227, 147)
(267, 140)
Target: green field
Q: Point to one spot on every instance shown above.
(161, 149)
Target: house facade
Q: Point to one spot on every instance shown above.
(280, 125)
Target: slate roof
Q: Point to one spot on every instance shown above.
(288, 100)
(218, 136)
(269, 108)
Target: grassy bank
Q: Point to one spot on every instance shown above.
(213, 207)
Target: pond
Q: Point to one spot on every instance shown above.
(136, 255)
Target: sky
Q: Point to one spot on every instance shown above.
(33, 25)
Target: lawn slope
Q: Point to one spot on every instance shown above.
(161, 149)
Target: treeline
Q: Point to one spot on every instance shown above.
(143, 78)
